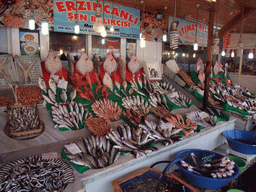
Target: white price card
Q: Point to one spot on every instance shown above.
(73, 148)
(55, 77)
(51, 155)
(63, 84)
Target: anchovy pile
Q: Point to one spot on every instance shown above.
(136, 103)
(96, 152)
(161, 112)
(135, 87)
(23, 119)
(98, 126)
(180, 100)
(70, 116)
(131, 140)
(134, 117)
(202, 118)
(161, 87)
(219, 168)
(107, 109)
(165, 133)
(122, 91)
(156, 99)
(36, 174)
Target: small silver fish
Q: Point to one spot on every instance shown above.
(72, 95)
(52, 95)
(124, 84)
(52, 85)
(139, 81)
(63, 96)
(42, 84)
(48, 100)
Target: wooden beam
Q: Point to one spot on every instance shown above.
(234, 21)
(208, 57)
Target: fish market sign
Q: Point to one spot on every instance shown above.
(126, 20)
(187, 32)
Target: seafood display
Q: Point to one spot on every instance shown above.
(219, 168)
(23, 120)
(53, 64)
(71, 61)
(161, 112)
(29, 95)
(165, 133)
(199, 65)
(135, 87)
(180, 99)
(96, 63)
(186, 78)
(36, 174)
(96, 152)
(133, 117)
(161, 87)
(107, 109)
(4, 101)
(98, 126)
(136, 103)
(134, 65)
(202, 118)
(84, 64)
(70, 115)
(128, 139)
(108, 81)
(122, 68)
(156, 99)
(110, 64)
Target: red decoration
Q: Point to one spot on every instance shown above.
(47, 75)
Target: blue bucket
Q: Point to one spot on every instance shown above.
(239, 141)
(203, 156)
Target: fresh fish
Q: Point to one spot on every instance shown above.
(72, 95)
(110, 64)
(124, 84)
(144, 79)
(217, 68)
(201, 76)
(48, 100)
(42, 84)
(53, 64)
(107, 81)
(52, 95)
(118, 85)
(52, 85)
(134, 65)
(117, 94)
(63, 96)
(199, 65)
(84, 64)
(122, 68)
(131, 91)
(139, 81)
(71, 61)
(96, 63)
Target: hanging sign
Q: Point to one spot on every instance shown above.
(126, 20)
(187, 32)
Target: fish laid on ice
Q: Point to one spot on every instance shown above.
(84, 64)
(70, 64)
(52, 85)
(53, 64)
(122, 68)
(134, 65)
(96, 63)
(110, 64)
(107, 81)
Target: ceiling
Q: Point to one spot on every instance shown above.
(186, 9)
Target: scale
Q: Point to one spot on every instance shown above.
(226, 150)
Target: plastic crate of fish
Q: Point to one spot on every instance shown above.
(9, 70)
(28, 68)
(138, 177)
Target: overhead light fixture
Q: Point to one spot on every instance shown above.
(61, 51)
(183, 55)
(196, 43)
(173, 52)
(103, 41)
(240, 43)
(232, 53)
(142, 41)
(44, 27)
(103, 33)
(174, 34)
(223, 53)
(176, 54)
(98, 25)
(251, 55)
(194, 55)
(76, 28)
(164, 37)
(112, 29)
(32, 24)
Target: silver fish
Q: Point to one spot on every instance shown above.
(70, 64)
(118, 85)
(42, 84)
(139, 81)
(52, 85)
(72, 95)
(124, 84)
(52, 95)
(63, 96)
(48, 100)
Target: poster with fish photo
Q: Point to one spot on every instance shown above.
(29, 43)
(130, 48)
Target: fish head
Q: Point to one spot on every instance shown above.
(110, 64)
(84, 56)
(62, 92)
(51, 80)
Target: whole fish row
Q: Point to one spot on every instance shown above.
(23, 119)
(218, 168)
(35, 174)
(202, 118)
(107, 109)
(180, 99)
(135, 86)
(156, 99)
(128, 139)
(70, 116)
(134, 117)
(136, 103)
(96, 152)
(162, 87)
(163, 132)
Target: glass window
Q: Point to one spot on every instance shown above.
(101, 46)
(249, 64)
(232, 59)
(3, 40)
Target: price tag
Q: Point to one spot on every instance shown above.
(203, 115)
(63, 84)
(55, 77)
(51, 155)
(73, 148)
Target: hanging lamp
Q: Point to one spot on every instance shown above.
(251, 55)
(103, 33)
(196, 43)
(232, 53)
(112, 29)
(174, 34)
(165, 34)
(44, 24)
(223, 53)
(142, 35)
(240, 43)
(77, 28)
(31, 23)
(98, 25)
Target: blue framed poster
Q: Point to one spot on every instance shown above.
(29, 42)
(126, 20)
